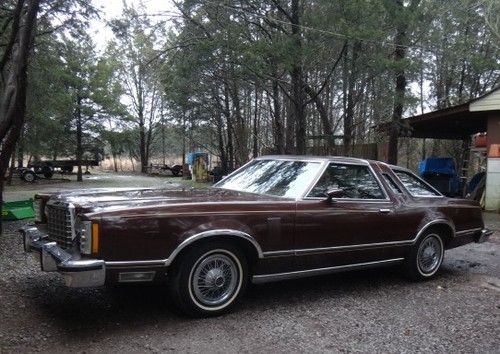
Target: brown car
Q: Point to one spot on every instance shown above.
(276, 218)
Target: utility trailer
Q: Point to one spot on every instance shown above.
(48, 167)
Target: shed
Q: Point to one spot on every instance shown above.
(460, 122)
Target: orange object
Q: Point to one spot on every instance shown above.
(95, 238)
(494, 150)
(480, 140)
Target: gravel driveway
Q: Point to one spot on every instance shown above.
(364, 311)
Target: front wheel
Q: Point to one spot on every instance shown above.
(209, 279)
(425, 257)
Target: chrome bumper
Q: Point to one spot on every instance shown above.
(77, 272)
(483, 236)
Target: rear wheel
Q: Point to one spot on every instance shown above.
(47, 171)
(29, 176)
(209, 279)
(426, 257)
(176, 170)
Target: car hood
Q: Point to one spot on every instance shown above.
(105, 199)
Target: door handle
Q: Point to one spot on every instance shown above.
(385, 211)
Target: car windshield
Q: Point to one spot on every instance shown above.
(281, 178)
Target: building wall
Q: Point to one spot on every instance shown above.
(489, 102)
(492, 200)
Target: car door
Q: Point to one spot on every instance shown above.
(360, 225)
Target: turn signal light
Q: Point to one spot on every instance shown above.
(95, 237)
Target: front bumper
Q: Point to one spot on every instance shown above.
(77, 272)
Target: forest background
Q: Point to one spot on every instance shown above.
(236, 78)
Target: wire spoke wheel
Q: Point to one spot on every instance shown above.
(214, 279)
(430, 254)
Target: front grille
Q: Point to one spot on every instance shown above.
(59, 224)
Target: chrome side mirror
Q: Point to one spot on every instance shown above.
(334, 193)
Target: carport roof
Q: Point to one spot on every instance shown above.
(457, 122)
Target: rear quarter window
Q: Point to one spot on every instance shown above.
(415, 186)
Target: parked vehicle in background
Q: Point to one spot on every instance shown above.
(276, 218)
(48, 167)
(175, 169)
(440, 172)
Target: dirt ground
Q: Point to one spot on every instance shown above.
(363, 311)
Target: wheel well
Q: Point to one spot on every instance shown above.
(443, 230)
(245, 246)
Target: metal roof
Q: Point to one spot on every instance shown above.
(456, 122)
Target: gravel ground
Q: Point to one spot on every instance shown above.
(364, 311)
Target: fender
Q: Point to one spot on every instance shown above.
(213, 233)
(440, 221)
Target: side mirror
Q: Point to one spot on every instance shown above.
(334, 193)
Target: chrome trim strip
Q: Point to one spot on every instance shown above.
(437, 221)
(380, 184)
(72, 218)
(351, 200)
(211, 233)
(188, 214)
(149, 277)
(280, 253)
(265, 278)
(307, 251)
(468, 231)
(136, 264)
(314, 180)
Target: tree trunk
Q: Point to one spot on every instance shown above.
(255, 147)
(230, 148)
(115, 163)
(290, 127)
(350, 102)
(296, 74)
(279, 141)
(12, 167)
(13, 105)
(20, 150)
(400, 80)
(79, 132)
(142, 146)
(323, 115)
(220, 139)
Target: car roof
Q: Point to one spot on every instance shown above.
(317, 158)
(339, 159)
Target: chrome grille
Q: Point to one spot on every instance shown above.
(60, 224)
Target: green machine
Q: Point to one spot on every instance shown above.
(21, 209)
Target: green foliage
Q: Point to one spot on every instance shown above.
(221, 79)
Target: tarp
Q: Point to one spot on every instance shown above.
(192, 156)
(437, 165)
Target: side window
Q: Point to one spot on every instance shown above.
(394, 187)
(414, 185)
(356, 182)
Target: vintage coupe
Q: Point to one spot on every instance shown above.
(277, 217)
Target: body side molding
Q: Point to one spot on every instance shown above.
(266, 278)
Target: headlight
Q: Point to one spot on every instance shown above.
(84, 231)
